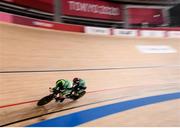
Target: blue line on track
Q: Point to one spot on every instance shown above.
(85, 116)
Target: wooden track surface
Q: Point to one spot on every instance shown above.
(31, 60)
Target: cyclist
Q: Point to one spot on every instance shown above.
(79, 85)
(63, 87)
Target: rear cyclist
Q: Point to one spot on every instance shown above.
(78, 85)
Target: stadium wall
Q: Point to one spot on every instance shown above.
(150, 32)
(105, 11)
(39, 23)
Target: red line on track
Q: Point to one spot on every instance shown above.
(27, 102)
(10, 105)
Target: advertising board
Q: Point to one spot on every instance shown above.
(96, 9)
(97, 31)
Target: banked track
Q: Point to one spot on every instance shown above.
(33, 59)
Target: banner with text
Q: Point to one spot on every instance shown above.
(156, 49)
(97, 31)
(96, 9)
(125, 32)
(174, 34)
(152, 33)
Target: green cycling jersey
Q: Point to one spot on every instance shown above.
(64, 86)
(79, 85)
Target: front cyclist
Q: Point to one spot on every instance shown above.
(64, 88)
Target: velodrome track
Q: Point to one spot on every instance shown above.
(32, 59)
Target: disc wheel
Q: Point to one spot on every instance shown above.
(45, 100)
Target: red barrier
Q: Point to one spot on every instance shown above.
(146, 15)
(39, 23)
(42, 5)
(6, 17)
